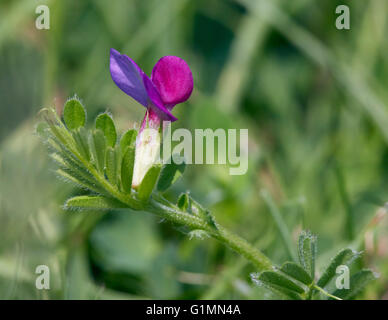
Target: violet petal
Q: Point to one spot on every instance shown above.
(173, 79)
(127, 75)
(156, 100)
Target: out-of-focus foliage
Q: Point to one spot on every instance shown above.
(314, 101)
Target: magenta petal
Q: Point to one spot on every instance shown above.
(127, 75)
(156, 100)
(173, 79)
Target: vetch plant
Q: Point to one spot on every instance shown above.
(126, 173)
(171, 83)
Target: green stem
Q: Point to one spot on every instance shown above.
(326, 293)
(234, 242)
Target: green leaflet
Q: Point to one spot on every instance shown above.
(170, 173)
(62, 136)
(105, 123)
(111, 164)
(127, 169)
(307, 250)
(210, 219)
(128, 139)
(78, 179)
(72, 170)
(93, 202)
(73, 167)
(279, 284)
(183, 202)
(358, 281)
(97, 146)
(74, 114)
(148, 183)
(344, 257)
(280, 280)
(81, 138)
(297, 272)
(57, 130)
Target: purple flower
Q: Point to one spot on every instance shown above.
(171, 83)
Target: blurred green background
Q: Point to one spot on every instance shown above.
(314, 100)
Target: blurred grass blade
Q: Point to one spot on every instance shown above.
(105, 123)
(297, 272)
(320, 54)
(280, 224)
(93, 202)
(307, 249)
(349, 222)
(249, 38)
(74, 114)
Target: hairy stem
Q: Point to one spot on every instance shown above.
(234, 242)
